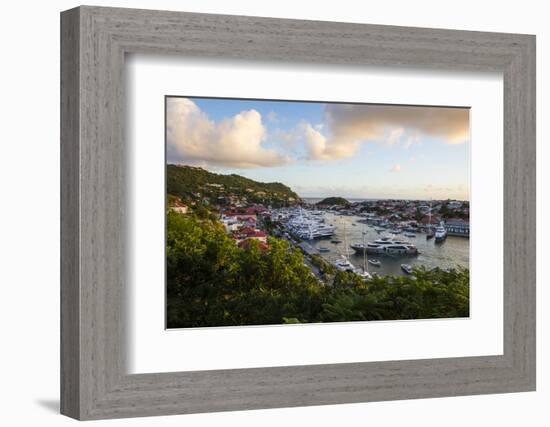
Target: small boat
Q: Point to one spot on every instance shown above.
(375, 262)
(430, 234)
(335, 241)
(323, 249)
(412, 235)
(407, 268)
(354, 224)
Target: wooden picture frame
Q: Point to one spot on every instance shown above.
(94, 41)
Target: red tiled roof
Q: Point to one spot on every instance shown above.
(179, 204)
(258, 233)
(245, 244)
(247, 230)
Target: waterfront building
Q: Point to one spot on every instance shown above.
(457, 227)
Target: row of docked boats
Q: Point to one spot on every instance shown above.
(438, 233)
(309, 225)
(381, 246)
(343, 264)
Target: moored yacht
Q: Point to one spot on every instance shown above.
(401, 249)
(440, 234)
(308, 225)
(343, 264)
(386, 246)
(364, 274)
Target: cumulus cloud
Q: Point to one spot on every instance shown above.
(232, 142)
(350, 124)
(396, 168)
(320, 147)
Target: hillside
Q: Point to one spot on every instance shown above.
(194, 184)
(331, 201)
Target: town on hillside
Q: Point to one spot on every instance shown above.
(251, 211)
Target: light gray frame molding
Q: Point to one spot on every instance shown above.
(94, 41)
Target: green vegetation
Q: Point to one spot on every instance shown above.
(193, 184)
(325, 268)
(447, 212)
(331, 201)
(212, 282)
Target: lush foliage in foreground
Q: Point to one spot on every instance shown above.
(212, 282)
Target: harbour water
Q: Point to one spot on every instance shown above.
(451, 253)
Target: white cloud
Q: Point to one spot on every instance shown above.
(395, 136)
(411, 139)
(396, 168)
(233, 142)
(321, 148)
(348, 125)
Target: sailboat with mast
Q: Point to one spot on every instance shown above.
(430, 232)
(364, 273)
(343, 264)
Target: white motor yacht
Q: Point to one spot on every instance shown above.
(343, 264)
(440, 234)
(386, 246)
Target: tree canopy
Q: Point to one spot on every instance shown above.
(331, 201)
(212, 282)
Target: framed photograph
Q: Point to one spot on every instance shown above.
(261, 213)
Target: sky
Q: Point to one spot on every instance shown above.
(326, 149)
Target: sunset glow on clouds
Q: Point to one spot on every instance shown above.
(292, 142)
(235, 141)
(351, 124)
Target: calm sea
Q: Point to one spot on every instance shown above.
(453, 252)
(313, 200)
